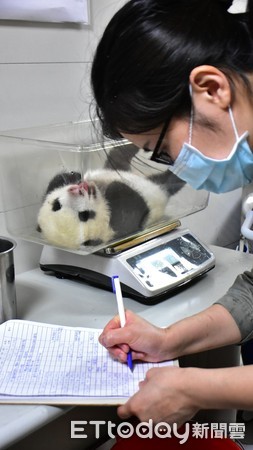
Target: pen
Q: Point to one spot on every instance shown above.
(117, 289)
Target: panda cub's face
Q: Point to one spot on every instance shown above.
(74, 214)
(80, 198)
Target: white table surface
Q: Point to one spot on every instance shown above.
(44, 298)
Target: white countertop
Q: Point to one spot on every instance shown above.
(44, 298)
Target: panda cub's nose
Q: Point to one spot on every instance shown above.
(82, 188)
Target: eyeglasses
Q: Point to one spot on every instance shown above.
(162, 157)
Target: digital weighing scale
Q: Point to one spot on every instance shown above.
(150, 266)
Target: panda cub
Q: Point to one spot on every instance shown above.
(101, 206)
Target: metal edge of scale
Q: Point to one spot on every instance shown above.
(103, 281)
(139, 238)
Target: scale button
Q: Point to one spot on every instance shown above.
(149, 284)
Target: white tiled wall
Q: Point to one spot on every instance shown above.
(44, 79)
(44, 68)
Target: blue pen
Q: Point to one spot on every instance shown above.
(117, 289)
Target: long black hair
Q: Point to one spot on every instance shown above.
(140, 72)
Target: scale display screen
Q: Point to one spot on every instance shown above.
(173, 260)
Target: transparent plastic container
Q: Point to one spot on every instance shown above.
(114, 192)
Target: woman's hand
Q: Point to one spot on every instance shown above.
(164, 396)
(211, 328)
(146, 341)
(175, 395)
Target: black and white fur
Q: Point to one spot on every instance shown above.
(105, 204)
(101, 206)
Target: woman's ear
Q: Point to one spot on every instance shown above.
(211, 85)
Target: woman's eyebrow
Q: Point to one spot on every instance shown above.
(166, 148)
(163, 149)
(146, 147)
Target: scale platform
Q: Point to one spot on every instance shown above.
(149, 271)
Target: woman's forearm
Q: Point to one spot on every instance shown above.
(227, 388)
(212, 328)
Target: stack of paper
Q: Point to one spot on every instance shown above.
(42, 363)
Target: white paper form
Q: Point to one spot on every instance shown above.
(76, 11)
(49, 360)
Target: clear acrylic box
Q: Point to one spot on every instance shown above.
(135, 193)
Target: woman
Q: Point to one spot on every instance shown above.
(175, 77)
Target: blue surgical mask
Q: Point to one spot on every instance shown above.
(215, 175)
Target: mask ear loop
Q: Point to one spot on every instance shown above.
(191, 118)
(233, 122)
